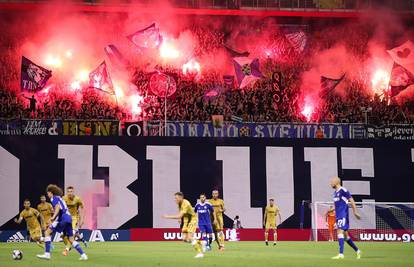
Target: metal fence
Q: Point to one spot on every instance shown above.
(305, 5)
(400, 5)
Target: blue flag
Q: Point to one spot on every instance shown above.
(329, 84)
(400, 79)
(33, 77)
(234, 53)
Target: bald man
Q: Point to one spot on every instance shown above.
(341, 199)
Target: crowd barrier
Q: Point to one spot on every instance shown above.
(205, 129)
(304, 5)
(59, 127)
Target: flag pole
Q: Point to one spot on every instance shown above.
(116, 100)
(165, 107)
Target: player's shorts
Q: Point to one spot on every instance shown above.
(342, 223)
(217, 227)
(46, 223)
(189, 226)
(64, 227)
(75, 222)
(270, 225)
(35, 233)
(206, 228)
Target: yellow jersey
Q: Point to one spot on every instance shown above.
(30, 216)
(188, 211)
(271, 213)
(218, 205)
(73, 205)
(46, 210)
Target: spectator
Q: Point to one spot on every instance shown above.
(237, 223)
(319, 133)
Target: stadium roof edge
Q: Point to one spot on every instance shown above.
(294, 12)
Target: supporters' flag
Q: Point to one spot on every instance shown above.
(162, 84)
(403, 55)
(217, 121)
(33, 77)
(115, 56)
(99, 79)
(148, 37)
(212, 93)
(329, 84)
(247, 70)
(298, 40)
(400, 79)
(234, 53)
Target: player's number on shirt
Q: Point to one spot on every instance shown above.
(341, 222)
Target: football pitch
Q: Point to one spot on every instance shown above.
(250, 254)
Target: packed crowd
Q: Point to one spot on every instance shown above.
(190, 103)
(266, 100)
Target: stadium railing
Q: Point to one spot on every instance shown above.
(107, 127)
(303, 5)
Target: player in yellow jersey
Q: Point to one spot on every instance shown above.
(189, 222)
(218, 205)
(32, 217)
(75, 207)
(270, 222)
(46, 209)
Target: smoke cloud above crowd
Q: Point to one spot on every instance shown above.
(71, 44)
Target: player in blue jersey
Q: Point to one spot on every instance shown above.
(204, 211)
(61, 222)
(341, 199)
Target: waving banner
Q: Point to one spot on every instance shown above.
(400, 79)
(402, 132)
(33, 77)
(247, 70)
(99, 79)
(148, 37)
(258, 130)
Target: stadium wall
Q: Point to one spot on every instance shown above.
(128, 182)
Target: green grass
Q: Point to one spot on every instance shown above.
(250, 254)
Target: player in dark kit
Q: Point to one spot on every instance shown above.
(341, 199)
(204, 210)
